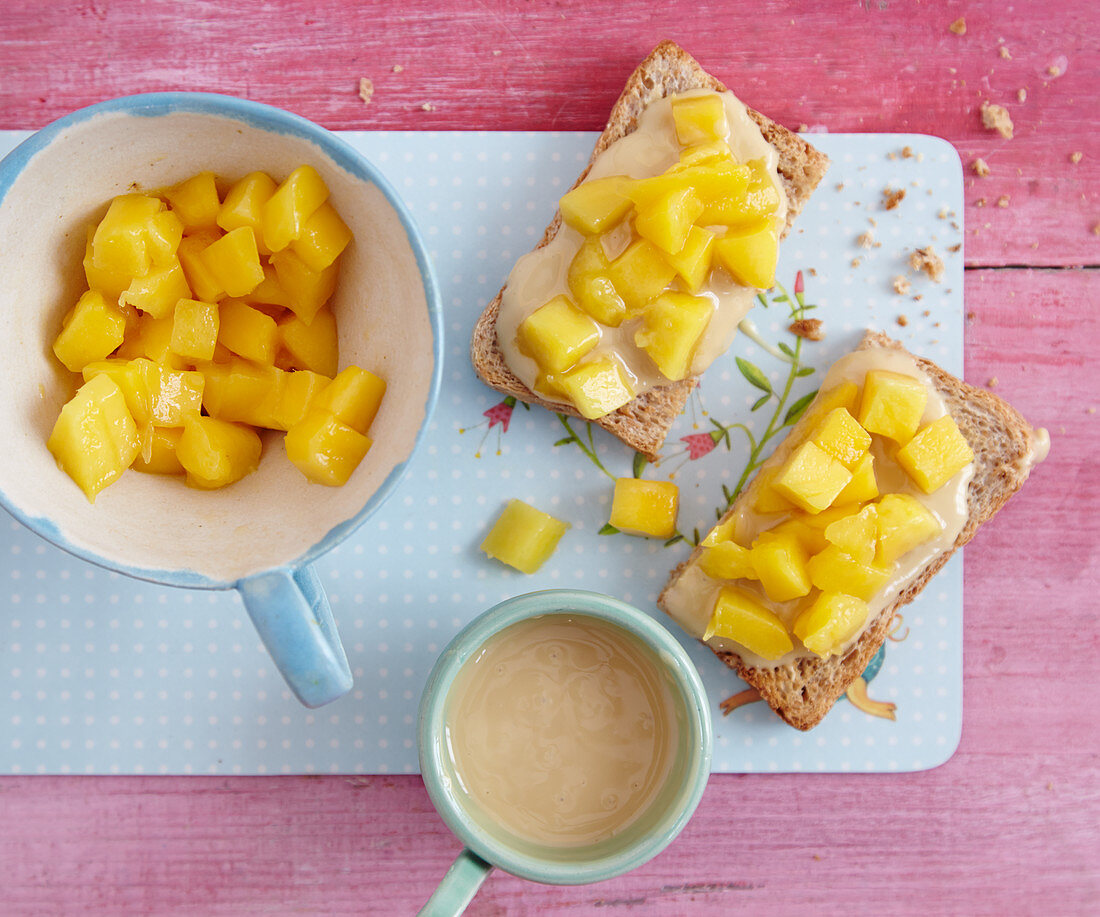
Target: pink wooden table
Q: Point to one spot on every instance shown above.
(1010, 823)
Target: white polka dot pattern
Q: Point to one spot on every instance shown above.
(103, 674)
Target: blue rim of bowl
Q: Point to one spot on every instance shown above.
(264, 117)
(433, 706)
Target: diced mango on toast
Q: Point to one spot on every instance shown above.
(557, 335)
(892, 405)
(830, 622)
(740, 617)
(935, 454)
(596, 205)
(670, 330)
(811, 478)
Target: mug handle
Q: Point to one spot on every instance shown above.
(458, 886)
(293, 617)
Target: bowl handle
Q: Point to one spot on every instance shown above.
(292, 614)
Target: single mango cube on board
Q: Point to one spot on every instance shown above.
(324, 449)
(671, 328)
(324, 236)
(727, 560)
(903, 523)
(234, 261)
(523, 537)
(779, 560)
(830, 622)
(558, 334)
(811, 478)
(646, 508)
(597, 205)
(293, 202)
(591, 284)
(834, 571)
(640, 273)
(215, 453)
(243, 206)
(91, 331)
(935, 454)
(95, 438)
(892, 405)
(353, 397)
(597, 387)
(195, 201)
(740, 617)
(699, 119)
(315, 346)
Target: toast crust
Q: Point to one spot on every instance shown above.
(644, 422)
(803, 691)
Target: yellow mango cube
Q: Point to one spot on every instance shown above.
(700, 119)
(935, 454)
(307, 290)
(243, 392)
(195, 201)
(269, 292)
(353, 397)
(750, 254)
(215, 453)
(812, 538)
(667, 220)
(706, 151)
(740, 617)
(844, 395)
(727, 560)
(94, 438)
(324, 236)
(248, 332)
(523, 537)
(780, 563)
(856, 535)
(839, 434)
(863, 486)
(325, 450)
(120, 242)
(243, 206)
(136, 381)
(296, 397)
(596, 205)
(314, 346)
(670, 330)
(162, 452)
(163, 234)
(723, 531)
(892, 405)
(827, 625)
(811, 478)
(194, 329)
(832, 570)
(693, 262)
(177, 398)
(91, 331)
(109, 283)
(640, 273)
(646, 508)
(152, 340)
(764, 498)
(591, 285)
(157, 292)
(234, 261)
(904, 523)
(597, 387)
(753, 197)
(558, 334)
(200, 279)
(293, 202)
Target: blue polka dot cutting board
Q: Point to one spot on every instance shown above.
(102, 674)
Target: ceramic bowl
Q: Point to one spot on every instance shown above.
(261, 534)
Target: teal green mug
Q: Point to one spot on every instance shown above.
(487, 843)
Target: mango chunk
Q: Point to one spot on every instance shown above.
(844, 395)
(92, 330)
(750, 254)
(699, 119)
(194, 329)
(248, 332)
(591, 284)
(199, 278)
(596, 205)
(215, 453)
(723, 531)
(812, 538)
(157, 291)
(325, 450)
(670, 331)
(94, 438)
(856, 535)
(306, 290)
(892, 405)
(558, 334)
(834, 571)
(667, 220)
(315, 346)
(153, 341)
(353, 397)
(294, 201)
(842, 437)
(811, 478)
(727, 560)
(234, 261)
(646, 508)
(242, 392)
(120, 244)
(764, 498)
(935, 454)
(640, 273)
(780, 563)
(597, 387)
(740, 617)
(177, 397)
(243, 206)
(296, 397)
(136, 380)
(756, 199)
(109, 283)
(863, 486)
(324, 236)
(706, 151)
(163, 234)
(830, 622)
(904, 523)
(162, 452)
(692, 263)
(195, 201)
(523, 537)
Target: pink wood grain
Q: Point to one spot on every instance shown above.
(1009, 824)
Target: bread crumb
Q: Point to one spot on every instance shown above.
(955, 248)
(802, 128)
(958, 26)
(918, 297)
(996, 118)
(1076, 157)
(891, 197)
(397, 68)
(1090, 410)
(926, 313)
(1034, 244)
(427, 106)
(926, 259)
(813, 272)
(1054, 70)
(1021, 94)
(992, 383)
(892, 156)
(1096, 229)
(943, 213)
(812, 329)
(840, 186)
(496, 54)
(902, 320)
(1003, 51)
(817, 856)
(901, 285)
(872, 221)
(366, 90)
(980, 202)
(907, 152)
(980, 167)
(856, 262)
(867, 240)
(1003, 200)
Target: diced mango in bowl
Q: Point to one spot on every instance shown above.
(192, 337)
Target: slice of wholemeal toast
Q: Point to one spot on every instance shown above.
(644, 422)
(802, 692)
